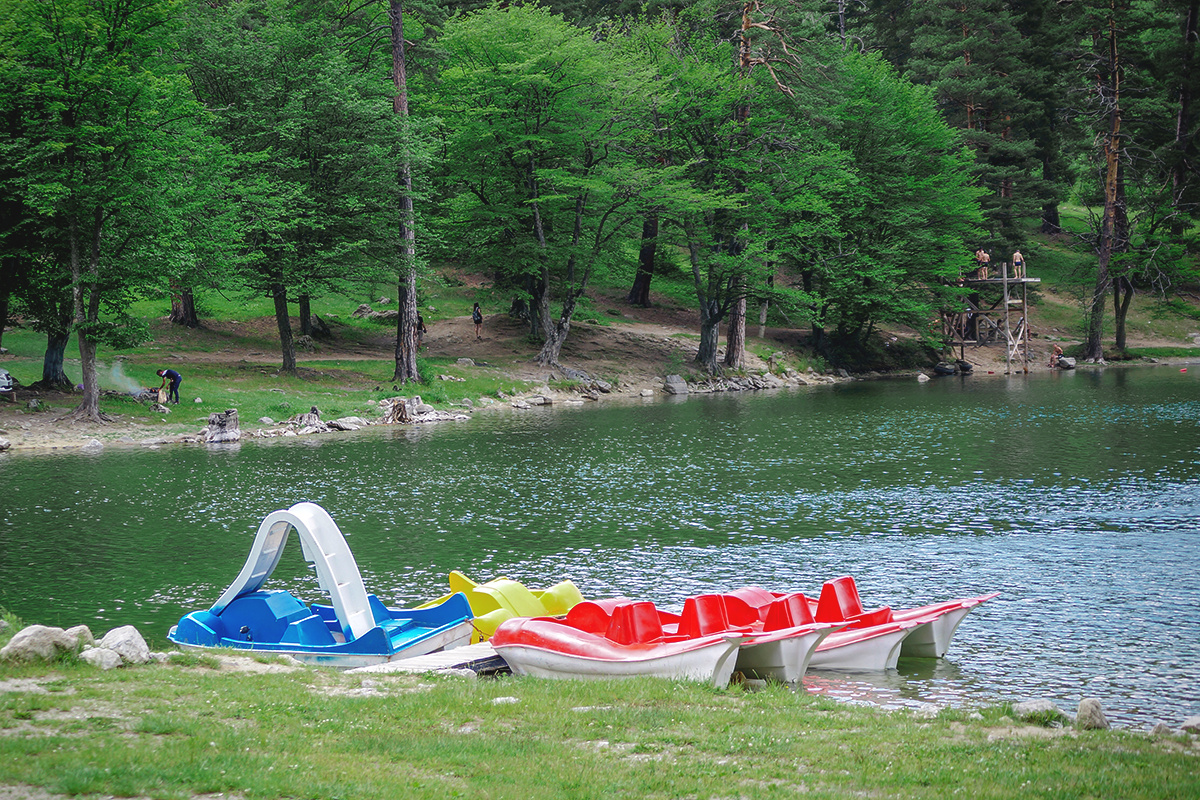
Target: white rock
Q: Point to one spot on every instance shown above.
(197, 401)
(266, 420)
(128, 644)
(93, 446)
(102, 657)
(82, 634)
(504, 701)
(1037, 708)
(922, 377)
(38, 642)
(647, 393)
(1191, 725)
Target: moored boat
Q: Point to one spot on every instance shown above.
(356, 629)
(501, 599)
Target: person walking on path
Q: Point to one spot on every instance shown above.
(175, 378)
(419, 331)
(477, 318)
(1018, 265)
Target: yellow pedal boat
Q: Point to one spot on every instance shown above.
(501, 598)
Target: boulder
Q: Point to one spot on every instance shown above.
(674, 384)
(266, 420)
(82, 635)
(646, 393)
(4, 444)
(347, 423)
(223, 427)
(922, 377)
(1066, 362)
(1191, 725)
(519, 403)
(465, 362)
(1037, 709)
(1161, 729)
(92, 446)
(38, 643)
(159, 408)
(1090, 716)
(128, 644)
(539, 400)
(362, 311)
(102, 657)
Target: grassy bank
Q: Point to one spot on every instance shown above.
(201, 725)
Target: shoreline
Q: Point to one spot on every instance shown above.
(51, 432)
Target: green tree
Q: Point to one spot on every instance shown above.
(97, 110)
(315, 146)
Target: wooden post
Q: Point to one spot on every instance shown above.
(1007, 327)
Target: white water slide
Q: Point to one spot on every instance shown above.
(324, 547)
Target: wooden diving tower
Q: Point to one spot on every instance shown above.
(1005, 319)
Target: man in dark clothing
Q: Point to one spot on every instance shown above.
(175, 378)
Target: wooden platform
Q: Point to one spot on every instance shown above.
(479, 658)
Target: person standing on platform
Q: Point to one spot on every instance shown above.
(1018, 262)
(987, 261)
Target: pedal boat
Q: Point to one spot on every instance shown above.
(935, 627)
(355, 630)
(502, 599)
(617, 638)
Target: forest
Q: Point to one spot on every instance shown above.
(838, 160)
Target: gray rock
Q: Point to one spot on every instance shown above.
(842, 373)
(266, 420)
(159, 408)
(1037, 708)
(93, 446)
(602, 386)
(102, 657)
(1161, 729)
(128, 644)
(223, 427)
(1066, 362)
(4, 444)
(465, 362)
(1090, 716)
(38, 642)
(674, 384)
(1191, 725)
(647, 393)
(539, 400)
(82, 634)
(344, 424)
(922, 377)
(519, 403)
(362, 311)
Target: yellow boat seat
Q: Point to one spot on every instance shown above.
(501, 598)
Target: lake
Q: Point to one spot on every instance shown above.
(1074, 494)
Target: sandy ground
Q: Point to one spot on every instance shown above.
(635, 352)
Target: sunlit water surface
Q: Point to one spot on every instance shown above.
(1073, 494)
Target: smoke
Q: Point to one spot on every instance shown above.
(123, 382)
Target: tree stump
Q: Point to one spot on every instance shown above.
(223, 427)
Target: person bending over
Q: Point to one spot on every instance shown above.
(175, 378)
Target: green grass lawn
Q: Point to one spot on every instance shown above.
(188, 727)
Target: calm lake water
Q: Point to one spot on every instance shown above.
(1073, 494)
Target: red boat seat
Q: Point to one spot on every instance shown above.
(594, 616)
(756, 598)
(788, 611)
(702, 615)
(634, 623)
(840, 602)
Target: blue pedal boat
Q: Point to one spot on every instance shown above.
(355, 630)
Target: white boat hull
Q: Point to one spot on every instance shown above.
(846, 651)
(782, 659)
(713, 663)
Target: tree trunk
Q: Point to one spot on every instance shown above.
(1183, 121)
(548, 356)
(1122, 295)
(639, 295)
(87, 309)
(183, 307)
(1051, 223)
(406, 290)
(1110, 93)
(304, 306)
(735, 333)
(710, 336)
(53, 374)
(288, 347)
